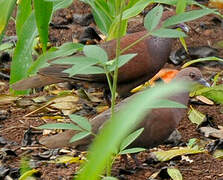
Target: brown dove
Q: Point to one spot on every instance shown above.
(152, 54)
(158, 124)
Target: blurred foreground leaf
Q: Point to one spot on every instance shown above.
(117, 128)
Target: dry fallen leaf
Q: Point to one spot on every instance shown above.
(212, 132)
(174, 173)
(216, 4)
(101, 109)
(204, 100)
(7, 99)
(167, 155)
(88, 96)
(195, 116)
(67, 159)
(218, 153)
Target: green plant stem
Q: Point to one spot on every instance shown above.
(108, 78)
(118, 52)
(134, 43)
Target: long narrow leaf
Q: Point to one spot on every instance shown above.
(153, 17)
(136, 9)
(181, 5)
(212, 58)
(113, 33)
(23, 12)
(6, 8)
(105, 144)
(81, 121)
(61, 4)
(43, 12)
(84, 69)
(123, 59)
(187, 16)
(169, 33)
(130, 138)
(65, 50)
(79, 136)
(22, 58)
(132, 150)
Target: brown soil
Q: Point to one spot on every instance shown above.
(203, 167)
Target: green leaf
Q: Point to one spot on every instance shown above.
(24, 165)
(136, 9)
(76, 60)
(113, 33)
(43, 11)
(153, 17)
(181, 6)
(101, 13)
(131, 3)
(183, 42)
(117, 128)
(28, 174)
(102, 23)
(132, 150)
(212, 58)
(123, 59)
(216, 78)
(169, 2)
(168, 33)
(197, 144)
(196, 116)
(65, 50)
(174, 173)
(23, 12)
(187, 16)
(81, 121)
(111, 7)
(60, 126)
(22, 58)
(6, 9)
(130, 138)
(82, 65)
(79, 136)
(215, 93)
(61, 4)
(94, 51)
(84, 70)
(5, 46)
